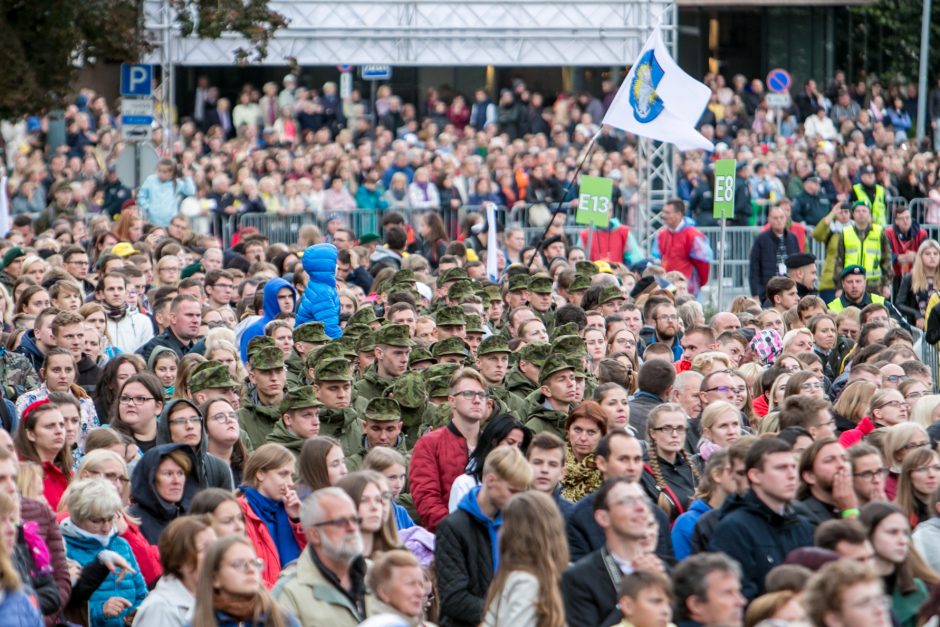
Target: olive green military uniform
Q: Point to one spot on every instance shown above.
(296, 398)
(369, 385)
(341, 424)
(381, 410)
(540, 416)
(256, 418)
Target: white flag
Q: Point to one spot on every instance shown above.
(492, 247)
(5, 223)
(660, 101)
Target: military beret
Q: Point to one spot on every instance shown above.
(300, 398)
(332, 370)
(799, 260)
(450, 316)
(554, 364)
(383, 410)
(311, 332)
(535, 353)
(368, 238)
(492, 345)
(540, 284)
(191, 269)
(410, 390)
(211, 375)
(850, 270)
(11, 255)
(452, 345)
(394, 335)
(641, 286)
(267, 358)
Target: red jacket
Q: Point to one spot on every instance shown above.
(608, 245)
(54, 483)
(439, 457)
(900, 246)
(260, 537)
(683, 251)
(854, 436)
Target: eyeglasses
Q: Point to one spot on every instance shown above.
(881, 602)
(868, 475)
(471, 395)
(895, 404)
(349, 521)
(724, 389)
(673, 429)
(223, 418)
(933, 467)
(910, 446)
(247, 564)
(630, 501)
(188, 420)
(894, 378)
(810, 385)
(915, 395)
(134, 400)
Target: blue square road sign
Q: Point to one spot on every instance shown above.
(136, 80)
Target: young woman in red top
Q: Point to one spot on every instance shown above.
(40, 438)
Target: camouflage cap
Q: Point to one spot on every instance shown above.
(452, 274)
(404, 276)
(581, 282)
(540, 284)
(310, 332)
(267, 358)
(554, 364)
(404, 288)
(452, 345)
(569, 345)
(355, 329)
(394, 335)
(609, 294)
(474, 323)
(460, 289)
(440, 370)
(418, 355)
(364, 315)
(492, 345)
(586, 268)
(535, 353)
(577, 363)
(438, 386)
(348, 346)
(568, 328)
(450, 316)
(257, 343)
(493, 294)
(410, 390)
(518, 282)
(333, 350)
(211, 375)
(332, 370)
(383, 410)
(300, 398)
(365, 343)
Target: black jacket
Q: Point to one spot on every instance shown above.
(29, 348)
(759, 539)
(155, 513)
(906, 300)
(463, 560)
(360, 277)
(678, 477)
(585, 535)
(589, 593)
(815, 511)
(88, 374)
(763, 260)
(167, 339)
(811, 209)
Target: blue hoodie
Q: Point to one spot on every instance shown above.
(470, 505)
(684, 526)
(321, 300)
(271, 311)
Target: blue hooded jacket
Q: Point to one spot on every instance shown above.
(271, 311)
(470, 505)
(321, 300)
(684, 526)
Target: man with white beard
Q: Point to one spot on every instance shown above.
(328, 585)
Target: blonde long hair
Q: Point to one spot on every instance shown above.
(919, 273)
(533, 540)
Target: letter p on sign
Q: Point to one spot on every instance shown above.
(724, 189)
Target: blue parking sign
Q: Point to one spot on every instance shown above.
(136, 80)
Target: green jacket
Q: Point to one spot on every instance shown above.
(512, 403)
(354, 462)
(905, 606)
(369, 385)
(519, 384)
(280, 435)
(547, 318)
(258, 420)
(824, 235)
(296, 373)
(540, 418)
(342, 425)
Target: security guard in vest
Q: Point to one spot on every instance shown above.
(853, 290)
(865, 244)
(869, 191)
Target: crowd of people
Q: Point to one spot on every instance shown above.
(376, 427)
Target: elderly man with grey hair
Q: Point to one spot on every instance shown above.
(328, 586)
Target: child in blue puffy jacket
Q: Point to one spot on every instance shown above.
(321, 300)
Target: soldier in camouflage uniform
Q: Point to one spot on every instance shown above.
(16, 374)
(307, 337)
(548, 407)
(411, 393)
(452, 350)
(493, 363)
(213, 378)
(300, 419)
(577, 288)
(382, 427)
(262, 410)
(333, 385)
(493, 306)
(420, 358)
(365, 349)
(393, 345)
(573, 347)
(610, 299)
(540, 300)
(451, 322)
(365, 315)
(474, 333)
(523, 379)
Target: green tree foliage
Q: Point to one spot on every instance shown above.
(891, 30)
(46, 42)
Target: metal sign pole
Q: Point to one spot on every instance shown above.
(721, 263)
(590, 242)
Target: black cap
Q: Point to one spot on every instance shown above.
(641, 286)
(800, 260)
(812, 179)
(868, 169)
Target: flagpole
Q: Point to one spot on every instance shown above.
(590, 241)
(564, 195)
(721, 262)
